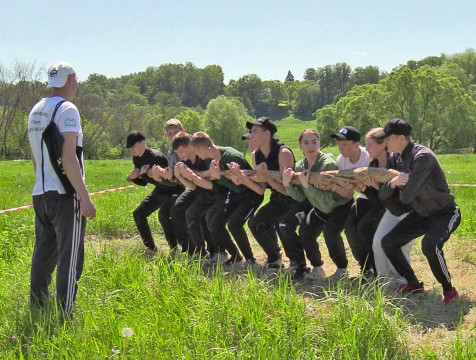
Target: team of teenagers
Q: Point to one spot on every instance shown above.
(204, 211)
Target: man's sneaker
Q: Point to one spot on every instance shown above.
(449, 296)
(220, 257)
(150, 253)
(317, 273)
(215, 258)
(294, 265)
(250, 262)
(277, 264)
(366, 277)
(340, 274)
(301, 272)
(233, 260)
(175, 252)
(409, 288)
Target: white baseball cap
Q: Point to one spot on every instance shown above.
(58, 74)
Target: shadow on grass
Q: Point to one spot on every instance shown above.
(426, 309)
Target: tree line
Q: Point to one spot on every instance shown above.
(436, 95)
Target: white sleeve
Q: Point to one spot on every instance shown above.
(364, 157)
(67, 118)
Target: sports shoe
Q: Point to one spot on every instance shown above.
(150, 253)
(409, 288)
(294, 265)
(366, 277)
(250, 262)
(277, 264)
(449, 296)
(233, 260)
(301, 272)
(175, 252)
(340, 274)
(215, 258)
(317, 273)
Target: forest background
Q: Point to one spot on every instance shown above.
(437, 95)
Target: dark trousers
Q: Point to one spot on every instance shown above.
(331, 225)
(233, 209)
(195, 217)
(179, 218)
(263, 225)
(238, 209)
(360, 228)
(287, 230)
(184, 200)
(436, 230)
(59, 231)
(216, 222)
(156, 200)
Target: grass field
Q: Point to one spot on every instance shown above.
(178, 309)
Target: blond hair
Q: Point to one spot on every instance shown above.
(371, 135)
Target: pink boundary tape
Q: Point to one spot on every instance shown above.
(132, 186)
(93, 193)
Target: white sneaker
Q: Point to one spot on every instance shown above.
(317, 273)
(340, 274)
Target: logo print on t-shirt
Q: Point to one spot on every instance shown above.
(70, 122)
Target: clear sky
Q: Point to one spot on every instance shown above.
(265, 37)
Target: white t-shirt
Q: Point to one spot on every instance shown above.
(344, 163)
(67, 120)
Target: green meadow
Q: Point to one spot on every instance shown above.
(182, 309)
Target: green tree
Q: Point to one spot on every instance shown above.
(225, 121)
(466, 61)
(442, 114)
(365, 75)
(308, 95)
(289, 76)
(311, 74)
(249, 86)
(191, 121)
(326, 123)
(20, 89)
(212, 83)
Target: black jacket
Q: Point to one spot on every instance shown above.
(154, 157)
(426, 191)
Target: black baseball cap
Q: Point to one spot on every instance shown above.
(265, 122)
(246, 136)
(134, 137)
(394, 127)
(347, 133)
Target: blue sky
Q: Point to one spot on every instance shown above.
(267, 38)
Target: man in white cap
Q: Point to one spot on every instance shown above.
(61, 206)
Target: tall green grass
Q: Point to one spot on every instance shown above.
(179, 310)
